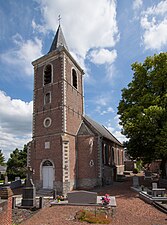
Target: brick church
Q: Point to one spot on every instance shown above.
(68, 150)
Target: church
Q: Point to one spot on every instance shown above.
(68, 150)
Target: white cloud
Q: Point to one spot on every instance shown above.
(117, 134)
(137, 4)
(103, 111)
(103, 56)
(114, 127)
(23, 54)
(93, 25)
(159, 9)
(15, 123)
(102, 100)
(154, 23)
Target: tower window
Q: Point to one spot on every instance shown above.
(47, 98)
(48, 74)
(74, 78)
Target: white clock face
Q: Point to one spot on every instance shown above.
(47, 122)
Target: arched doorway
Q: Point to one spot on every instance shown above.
(47, 174)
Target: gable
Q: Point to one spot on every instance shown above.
(84, 130)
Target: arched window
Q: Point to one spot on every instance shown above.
(47, 163)
(74, 79)
(47, 74)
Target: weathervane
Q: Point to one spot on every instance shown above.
(59, 18)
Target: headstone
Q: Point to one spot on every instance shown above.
(29, 192)
(15, 184)
(17, 178)
(54, 194)
(41, 202)
(154, 185)
(6, 179)
(135, 181)
(85, 197)
(13, 202)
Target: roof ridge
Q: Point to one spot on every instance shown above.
(102, 130)
(58, 40)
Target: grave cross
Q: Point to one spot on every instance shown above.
(29, 173)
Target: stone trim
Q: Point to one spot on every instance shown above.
(66, 164)
(99, 155)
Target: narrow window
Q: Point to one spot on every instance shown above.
(48, 74)
(106, 154)
(74, 78)
(118, 155)
(47, 98)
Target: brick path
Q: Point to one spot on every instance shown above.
(130, 210)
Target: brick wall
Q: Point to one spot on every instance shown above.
(87, 167)
(6, 206)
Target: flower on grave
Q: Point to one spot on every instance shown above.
(60, 198)
(105, 199)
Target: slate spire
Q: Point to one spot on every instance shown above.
(58, 41)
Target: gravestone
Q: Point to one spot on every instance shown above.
(29, 192)
(135, 181)
(15, 184)
(6, 179)
(82, 197)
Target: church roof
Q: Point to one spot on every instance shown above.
(101, 130)
(58, 40)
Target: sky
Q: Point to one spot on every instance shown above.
(104, 36)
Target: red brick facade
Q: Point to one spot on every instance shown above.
(61, 158)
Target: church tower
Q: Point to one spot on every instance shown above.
(57, 116)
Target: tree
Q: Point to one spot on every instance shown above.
(17, 163)
(2, 158)
(143, 110)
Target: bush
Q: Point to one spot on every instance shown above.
(92, 217)
(135, 170)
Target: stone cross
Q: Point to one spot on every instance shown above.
(29, 173)
(28, 181)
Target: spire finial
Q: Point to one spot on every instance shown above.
(59, 18)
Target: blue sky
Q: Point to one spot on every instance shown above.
(104, 36)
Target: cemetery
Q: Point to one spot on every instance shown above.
(74, 170)
(134, 189)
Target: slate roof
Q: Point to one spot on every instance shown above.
(58, 41)
(101, 129)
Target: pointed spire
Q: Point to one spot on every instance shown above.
(59, 40)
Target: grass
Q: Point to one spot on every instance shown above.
(92, 217)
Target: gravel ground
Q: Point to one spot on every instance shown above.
(130, 210)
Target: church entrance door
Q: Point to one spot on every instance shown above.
(47, 175)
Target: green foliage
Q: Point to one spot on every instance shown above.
(139, 164)
(92, 217)
(135, 170)
(2, 158)
(143, 109)
(17, 163)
